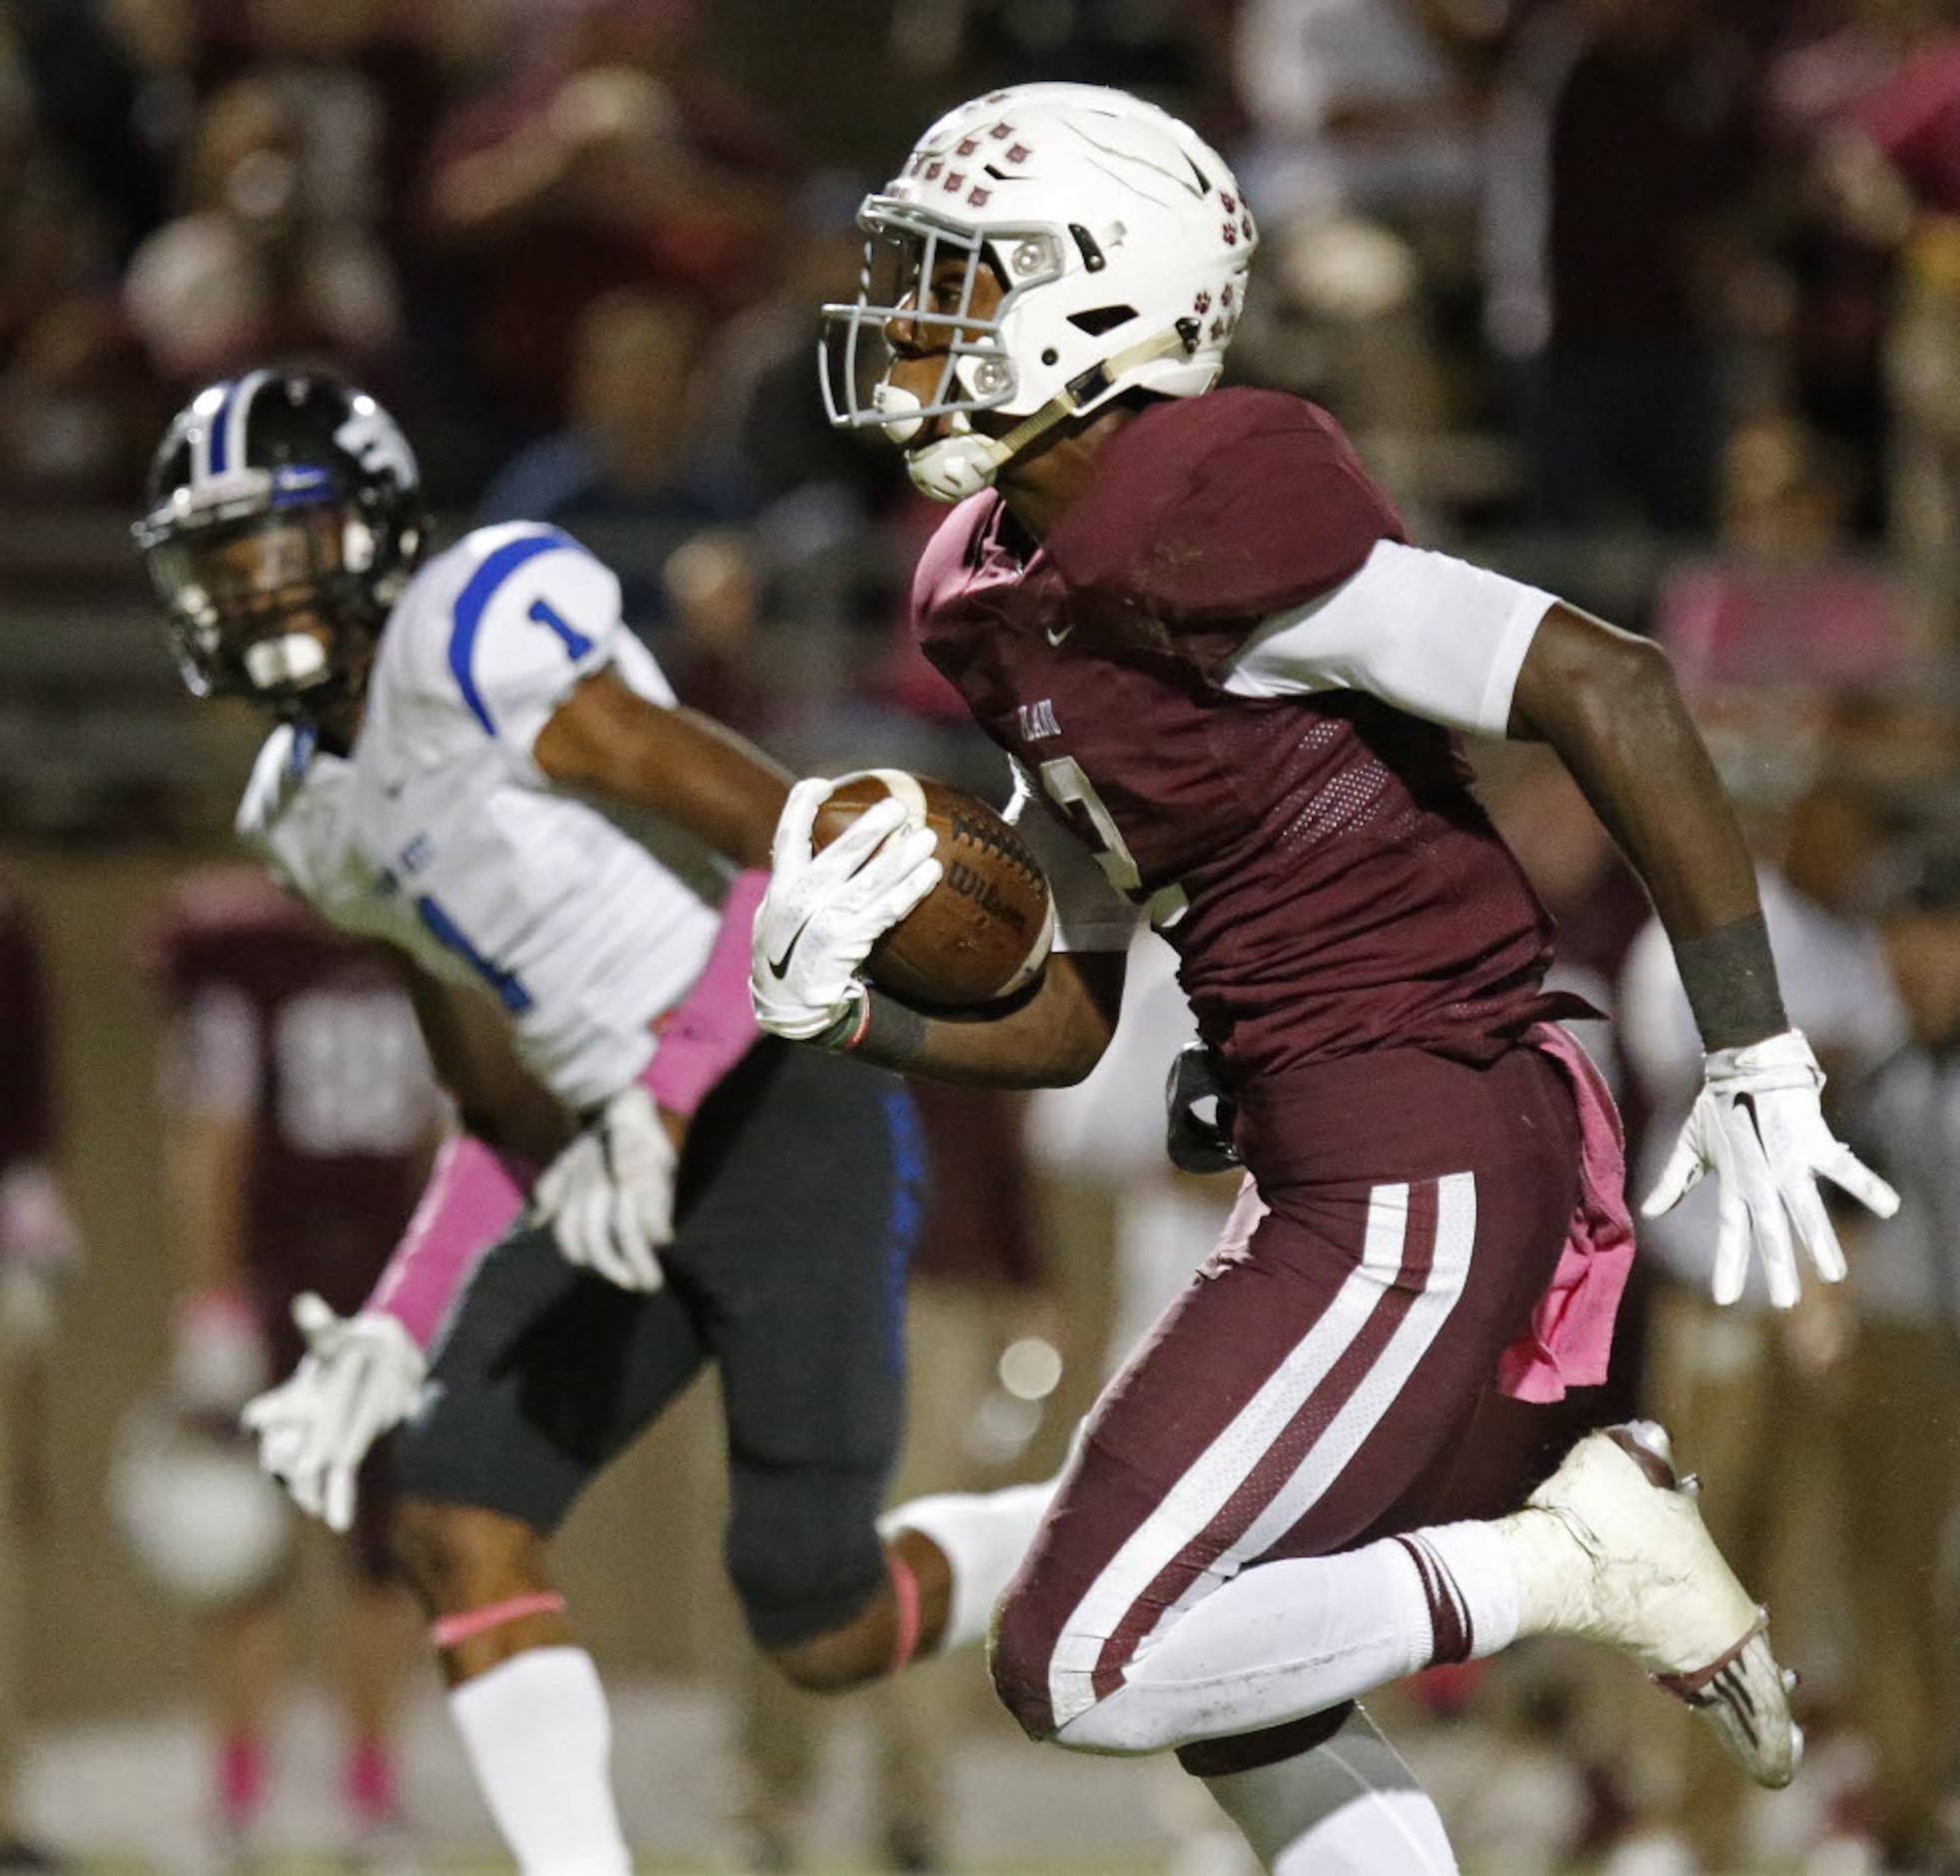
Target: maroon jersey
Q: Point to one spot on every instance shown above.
(279, 1020)
(1343, 890)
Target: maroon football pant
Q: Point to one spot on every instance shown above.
(1328, 1377)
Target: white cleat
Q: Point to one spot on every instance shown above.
(1654, 1587)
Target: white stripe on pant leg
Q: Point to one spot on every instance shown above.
(1198, 1494)
(1381, 1388)
(1203, 1489)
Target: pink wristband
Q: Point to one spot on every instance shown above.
(473, 1194)
(451, 1631)
(713, 1026)
(905, 1588)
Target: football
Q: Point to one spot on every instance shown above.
(983, 932)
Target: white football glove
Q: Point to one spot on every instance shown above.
(609, 1197)
(360, 1376)
(823, 912)
(1758, 1127)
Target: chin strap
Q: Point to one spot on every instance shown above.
(964, 464)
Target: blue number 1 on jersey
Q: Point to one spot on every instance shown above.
(576, 642)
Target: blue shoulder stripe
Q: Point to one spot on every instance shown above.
(478, 590)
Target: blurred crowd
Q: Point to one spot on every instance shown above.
(1656, 299)
(1677, 270)
(1654, 302)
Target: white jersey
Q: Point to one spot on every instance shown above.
(441, 834)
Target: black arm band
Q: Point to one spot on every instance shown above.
(1730, 978)
(893, 1034)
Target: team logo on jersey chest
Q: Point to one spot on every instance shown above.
(1033, 721)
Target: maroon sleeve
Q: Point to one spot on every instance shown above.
(1214, 512)
(941, 568)
(26, 1107)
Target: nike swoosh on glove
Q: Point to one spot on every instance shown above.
(823, 912)
(360, 1376)
(609, 1197)
(1758, 1126)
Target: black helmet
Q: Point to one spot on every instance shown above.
(282, 496)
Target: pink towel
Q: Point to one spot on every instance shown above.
(1572, 1330)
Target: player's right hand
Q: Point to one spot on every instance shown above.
(823, 912)
(608, 1196)
(360, 1376)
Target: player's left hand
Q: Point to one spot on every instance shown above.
(609, 1197)
(1197, 1114)
(824, 911)
(1758, 1126)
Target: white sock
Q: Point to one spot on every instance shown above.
(1555, 1575)
(1470, 1575)
(1276, 1643)
(540, 1738)
(1349, 1808)
(984, 1535)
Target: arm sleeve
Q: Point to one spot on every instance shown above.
(473, 1194)
(713, 1026)
(528, 629)
(1090, 914)
(1428, 633)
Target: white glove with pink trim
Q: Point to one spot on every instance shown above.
(1757, 1124)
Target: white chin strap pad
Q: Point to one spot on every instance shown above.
(895, 404)
(950, 469)
(955, 467)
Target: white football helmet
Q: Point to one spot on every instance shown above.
(204, 1523)
(1120, 241)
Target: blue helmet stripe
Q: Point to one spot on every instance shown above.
(216, 438)
(478, 590)
(234, 417)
